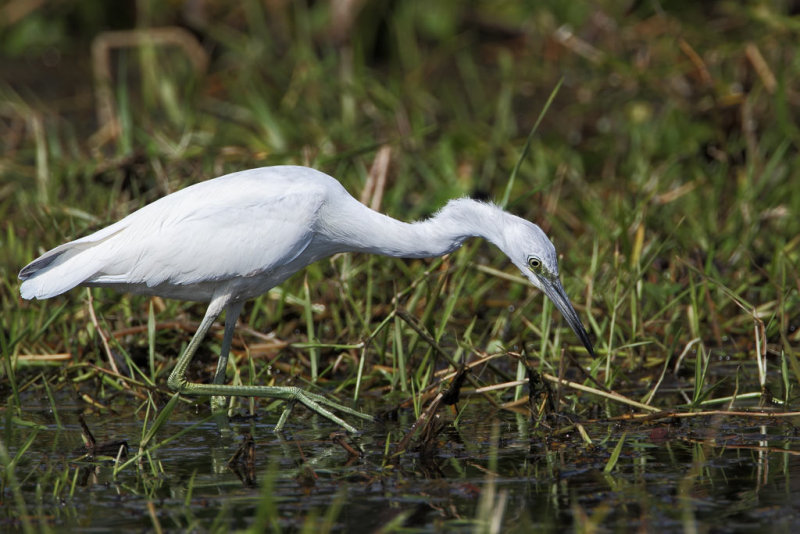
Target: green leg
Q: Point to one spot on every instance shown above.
(177, 379)
(220, 404)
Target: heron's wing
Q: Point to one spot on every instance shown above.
(243, 234)
(244, 225)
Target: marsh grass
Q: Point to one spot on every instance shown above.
(659, 155)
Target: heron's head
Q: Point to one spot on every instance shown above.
(533, 253)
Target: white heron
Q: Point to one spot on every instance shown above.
(232, 238)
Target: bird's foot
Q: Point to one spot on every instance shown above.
(317, 404)
(313, 401)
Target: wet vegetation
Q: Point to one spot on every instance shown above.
(657, 144)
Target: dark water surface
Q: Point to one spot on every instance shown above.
(709, 474)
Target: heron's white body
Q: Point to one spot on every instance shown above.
(233, 238)
(245, 233)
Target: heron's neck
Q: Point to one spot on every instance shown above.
(373, 232)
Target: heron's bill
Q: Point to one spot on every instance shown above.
(555, 291)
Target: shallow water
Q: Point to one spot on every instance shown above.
(723, 474)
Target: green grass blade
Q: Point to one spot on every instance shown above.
(16, 490)
(53, 405)
(612, 461)
(160, 420)
(526, 148)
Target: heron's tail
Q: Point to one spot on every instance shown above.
(57, 271)
(66, 266)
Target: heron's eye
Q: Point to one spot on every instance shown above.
(534, 263)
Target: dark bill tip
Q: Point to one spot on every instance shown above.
(556, 293)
